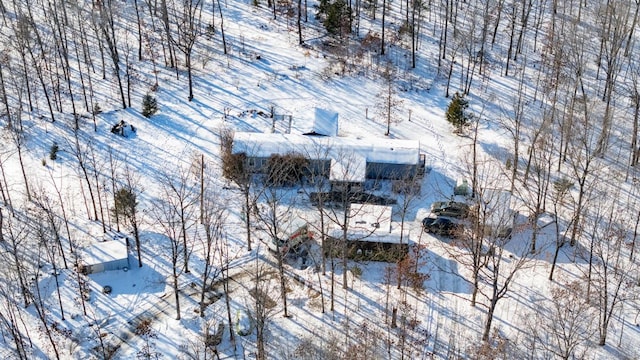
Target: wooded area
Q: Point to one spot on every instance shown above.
(558, 79)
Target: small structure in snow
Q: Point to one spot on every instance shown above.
(323, 123)
(462, 188)
(243, 323)
(123, 129)
(499, 216)
(105, 256)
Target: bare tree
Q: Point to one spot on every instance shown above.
(347, 176)
(43, 234)
(5, 154)
(409, 189)
(262, 306)
(18, 138)
(235, 168)
(187, 22)
(213, 221)
(275, 209)
(42, 308)
(4, 62)
(610, 274)
(615, 17)
(17, 233)
(634, 96)
(534, 191)
(177, 187)
(499, 273)
(583, 163)
(10, 324)
(81, 153)
(471, 249)
(107, 27)
(166, 213)
(390, 104)
(561, 188)
(513, 122)
(565, 325)
(51, 219)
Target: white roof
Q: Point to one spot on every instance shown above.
(323, 122)
(498, 207)
(374, 150)
(105, 252)
(368, 217)
(349, 169)
(370, 223)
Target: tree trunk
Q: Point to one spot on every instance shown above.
(176, 292)
(384, 12)
(298, 20)
(247, 220)
(487, 324)
(136, 234)
(224, 42)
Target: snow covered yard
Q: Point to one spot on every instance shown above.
(550, 114)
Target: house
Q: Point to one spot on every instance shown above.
(370, 235)
(343, 159)
(105, 256)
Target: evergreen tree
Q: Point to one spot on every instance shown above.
(125, 208)
(336, 15)
(53, 151)
(149, 106)
(124, 204)
(456, 112)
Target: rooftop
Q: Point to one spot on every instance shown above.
(105, 252)
(374, 150)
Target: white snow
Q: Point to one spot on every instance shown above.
(374, 150)
(308, 83)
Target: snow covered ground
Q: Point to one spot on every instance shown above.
(266, 69)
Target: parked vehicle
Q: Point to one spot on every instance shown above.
(450, 208)
(440, 226)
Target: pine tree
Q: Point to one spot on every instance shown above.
(456, 112)
(149, 106)
(53, 151)
(125, 204)
(336, 16)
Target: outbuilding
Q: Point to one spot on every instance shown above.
(105, 256)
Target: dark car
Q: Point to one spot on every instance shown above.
(440, 226)
(450, 208)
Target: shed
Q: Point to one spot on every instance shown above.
(499, 217)
(322, 123)
(106, 256)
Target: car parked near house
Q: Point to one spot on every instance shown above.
(441, 226)
(450, 208)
